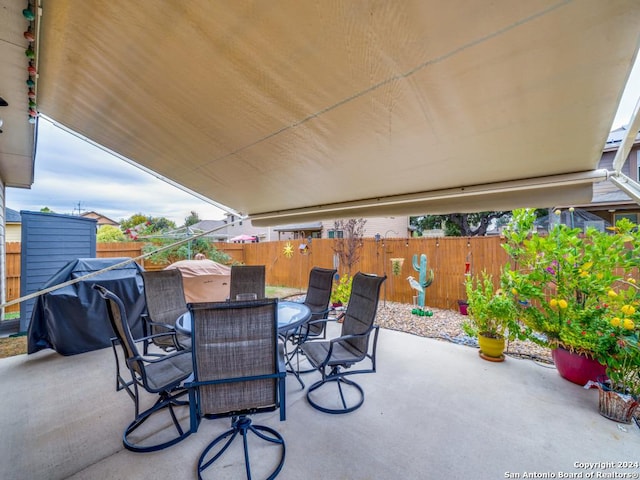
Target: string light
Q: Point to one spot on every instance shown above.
(29, 14)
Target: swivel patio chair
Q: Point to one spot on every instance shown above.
(332, 358)
(247, 279)
(317, 299)
(164, 294)
(162, 375)
(238, 371)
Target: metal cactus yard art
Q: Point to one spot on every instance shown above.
(425, 278)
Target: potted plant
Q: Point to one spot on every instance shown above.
(568, 287)
(492, 316)
(619, 390)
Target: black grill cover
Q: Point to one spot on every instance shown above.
(74, 319)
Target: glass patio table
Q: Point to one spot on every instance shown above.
(291, 315)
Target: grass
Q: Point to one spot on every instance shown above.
(11, 346)
(281, 292)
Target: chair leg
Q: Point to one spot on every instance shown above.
(242, 425)
(168, 401)
(288, 358)
(340, 381)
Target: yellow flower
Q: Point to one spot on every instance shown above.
(562, 303)
(514, 291)
(628, 310)
(557, 212)
(599, 276)
(553, 303)
(584, 274)
(631, 280)
(615, 321)
(612, 294)
(628, 324)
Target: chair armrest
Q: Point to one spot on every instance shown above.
(171, 333)
(166, 326)
(340, 339)
(156, 359)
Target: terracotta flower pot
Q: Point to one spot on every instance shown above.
(577, 368)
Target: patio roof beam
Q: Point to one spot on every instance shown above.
(551, 189)
(627, 185)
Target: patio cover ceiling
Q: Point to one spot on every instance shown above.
(296, 110)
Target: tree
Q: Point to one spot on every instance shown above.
(465, 224)
(139, 225)
(192, 219)
(459, 224)
(133, 221)
(348, 247)
(185, 251)
(46, 210)
(109, 233)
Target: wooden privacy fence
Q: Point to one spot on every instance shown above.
(447, 257)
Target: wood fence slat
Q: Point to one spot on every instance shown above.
(445, 256)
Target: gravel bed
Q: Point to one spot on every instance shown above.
(447, 325)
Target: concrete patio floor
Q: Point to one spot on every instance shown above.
(434, 410)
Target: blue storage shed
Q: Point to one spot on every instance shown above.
(49, 242)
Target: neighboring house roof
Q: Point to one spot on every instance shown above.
(12, 216)
(102, 219)
(206, 225)
(616, 136)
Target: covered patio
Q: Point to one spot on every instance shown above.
(403, 108)
(433, 410)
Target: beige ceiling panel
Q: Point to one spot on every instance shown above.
(284, 105)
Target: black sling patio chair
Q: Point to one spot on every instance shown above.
(164, 295)
(334, 358)
(238, 371)
(163, 375)
(247, 279)
(317, 299)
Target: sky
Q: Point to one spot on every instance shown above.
(72, 176)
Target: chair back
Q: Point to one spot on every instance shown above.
(164, 293)
(239, 341)
(361, 309)
(318, 296)
(247, 279)
(119, 323)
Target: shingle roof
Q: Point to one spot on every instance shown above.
(12, 216)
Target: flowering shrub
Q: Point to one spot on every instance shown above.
(341, 291)
(491, 312)
(578, 290)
